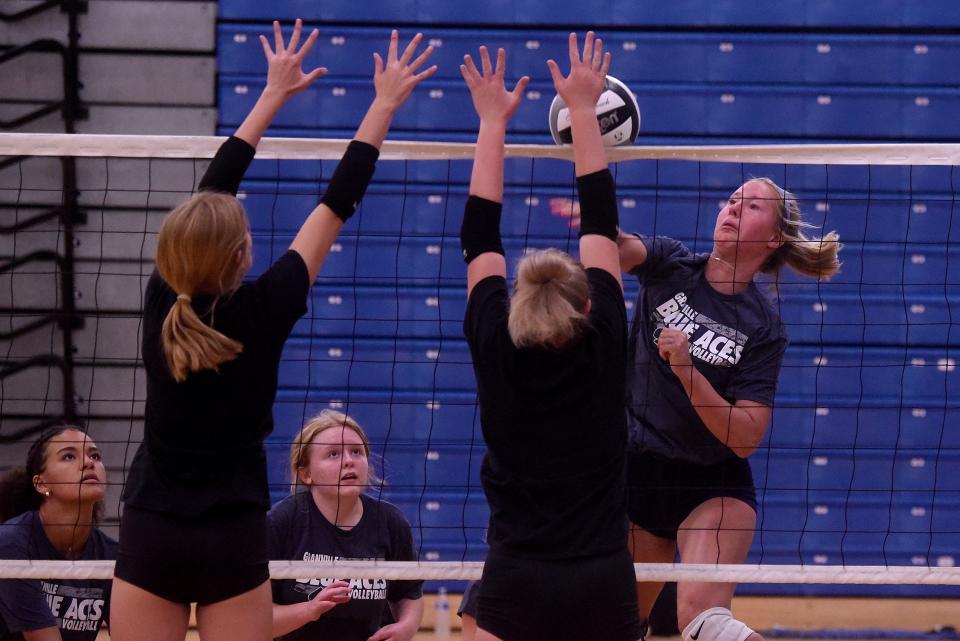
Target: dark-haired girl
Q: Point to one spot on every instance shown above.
(49, 510)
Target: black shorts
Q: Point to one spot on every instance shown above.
(565, 600)
(194, 559)
(468, 604)
(662, 493)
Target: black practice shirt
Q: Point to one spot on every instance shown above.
(300, 532)
(203, 438)
(554, 426)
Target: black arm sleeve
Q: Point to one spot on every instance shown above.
(227, 168)
(480, 230)
(350, 179)
(598, 204)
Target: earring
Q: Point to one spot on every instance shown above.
(47, 493)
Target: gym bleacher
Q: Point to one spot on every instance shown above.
(856, 465)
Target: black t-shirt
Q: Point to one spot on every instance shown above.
(203, 438)
(736, 341)
(555, 428)
(76, 607)
(300, 532)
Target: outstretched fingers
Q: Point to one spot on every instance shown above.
(574, 50)
(605, 67)
(596, 56)
(313, 75)
(411, 47)
(419, 60)
(267, 49)
(485, 61)
(555, 72)
(520, 87)
(392, 49)
(470, 68)
(426, 73)
(295, 37)
(588, 42)
(308, 45)
(501, 67)
(277, 38)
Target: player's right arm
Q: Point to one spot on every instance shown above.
(633, 252)
(480, 232)
(287, 618)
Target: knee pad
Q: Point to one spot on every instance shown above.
(716, 624)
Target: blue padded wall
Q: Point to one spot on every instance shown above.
(856, 466)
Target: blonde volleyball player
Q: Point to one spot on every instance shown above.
(550, 361)
(706, 351)
(330, 516)
(705, 358)
(194, 524)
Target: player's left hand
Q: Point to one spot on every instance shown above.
(395, 78)
(284, 65)
(393, 632)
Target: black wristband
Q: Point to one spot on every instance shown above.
(480, 231)
(598, 204)
(228, 166)
(350, 179)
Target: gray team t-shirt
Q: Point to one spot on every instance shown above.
(77, 607)
(300, 532)
(736, 341)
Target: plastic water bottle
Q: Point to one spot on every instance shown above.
(441, 625)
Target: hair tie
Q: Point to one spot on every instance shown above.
(183, 297)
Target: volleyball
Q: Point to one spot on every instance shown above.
(617, 113)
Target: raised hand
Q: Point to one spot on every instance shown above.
(583, 86)
(490, 97)
(395, 79)
(284, 62)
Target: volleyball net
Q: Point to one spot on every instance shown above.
(856, 479)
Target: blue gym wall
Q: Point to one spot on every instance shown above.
(860, 462)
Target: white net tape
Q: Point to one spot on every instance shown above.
(453, 571)
(193, 147)
(116, 146)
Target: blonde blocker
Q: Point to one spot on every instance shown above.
(203, 248)
(300, 448)
(549, 297)
(810, 256)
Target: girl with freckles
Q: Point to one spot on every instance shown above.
(329, 516)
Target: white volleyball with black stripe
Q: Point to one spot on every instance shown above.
(617, 113)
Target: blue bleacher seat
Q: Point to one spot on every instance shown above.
(854, 60)
(835, 111)
(377, 364)
(437, 416)
(599, 13)
(880, 13)
(755, 110)
(926, 114)
(700, 109)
